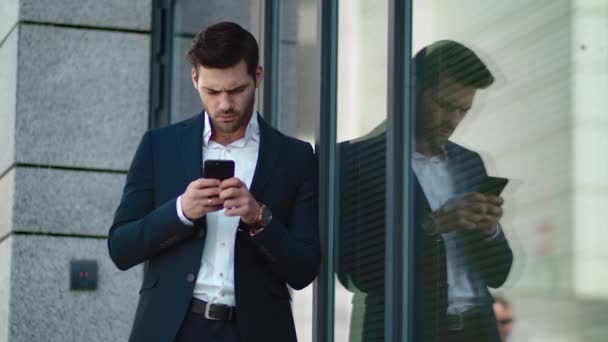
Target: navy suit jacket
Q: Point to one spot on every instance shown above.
(361, 241)
(147, 229)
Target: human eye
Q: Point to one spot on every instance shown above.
(237, 90)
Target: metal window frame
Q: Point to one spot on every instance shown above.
(160, 63)
(324, 287)
(272, 25)
(399, 204)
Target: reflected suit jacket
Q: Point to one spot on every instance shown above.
(147, 229)
(361, 241)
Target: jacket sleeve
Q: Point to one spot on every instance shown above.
(493, 255)
(293, 250)
(494, 258)
(141, 227)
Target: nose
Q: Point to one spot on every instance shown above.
(225, 102)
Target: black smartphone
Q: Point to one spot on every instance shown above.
(492, 185)
(218, 169)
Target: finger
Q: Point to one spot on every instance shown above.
(494, 210)
(231, 183)
(202, 183)
(202, 194)
(476, 207)
(236, 211)
(233, 203)
(474, 197)
(231, 193)
(213, 208)
(464, 223)
(495, 200)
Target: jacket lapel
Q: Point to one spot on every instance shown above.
(267, 157)
(190, 137)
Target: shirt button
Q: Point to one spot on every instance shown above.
(221, 274)
(190, 277)
(223, 244)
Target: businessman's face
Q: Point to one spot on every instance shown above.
(228, 96)
(441, 110)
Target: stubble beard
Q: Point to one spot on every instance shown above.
(230, 127)
(242, 119)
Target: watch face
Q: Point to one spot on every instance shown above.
(428, 226)
(265, 216)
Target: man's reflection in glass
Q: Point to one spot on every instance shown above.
(460, 247)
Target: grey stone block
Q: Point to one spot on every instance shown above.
(68, 202)
(5, 283)
(132, 14)
(8, 95)
(191, 16)
(82, 97)
(44, 309)
(7, 185)
(9, 15)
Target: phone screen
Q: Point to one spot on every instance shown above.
(492, 185)
(218, 169)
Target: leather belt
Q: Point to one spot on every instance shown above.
(213, 311)
(457, 322)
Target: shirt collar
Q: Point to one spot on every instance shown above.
(252, 132)
(438, 158)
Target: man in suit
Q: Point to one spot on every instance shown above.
(460, 249)
(219, 254)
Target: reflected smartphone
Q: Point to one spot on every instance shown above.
(492, 185)
(218, 169)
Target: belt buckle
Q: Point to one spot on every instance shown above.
(458, 324)
(207, 316)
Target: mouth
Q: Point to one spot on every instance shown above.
(445, 132)
(227, 117)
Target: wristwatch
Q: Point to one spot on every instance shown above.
(429, 225)
(264, 218)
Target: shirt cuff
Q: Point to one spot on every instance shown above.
(180, 213)
(493, 236)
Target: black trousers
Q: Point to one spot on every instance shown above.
(482, 329)
(196, 328)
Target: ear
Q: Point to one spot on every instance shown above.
(195, 78)
(259, 75)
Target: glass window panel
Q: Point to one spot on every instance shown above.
(362, 79)
(298, 106)
(541, 124)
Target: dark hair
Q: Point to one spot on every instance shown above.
(449, 59)
(224, 45)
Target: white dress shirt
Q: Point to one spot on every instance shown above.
(215, 281)
(464, 286)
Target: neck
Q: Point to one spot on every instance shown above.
(227, 138)
(424, 147)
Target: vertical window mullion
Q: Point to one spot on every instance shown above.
(271, 61)
(323, 328)
(399, 234)
(160, 63)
